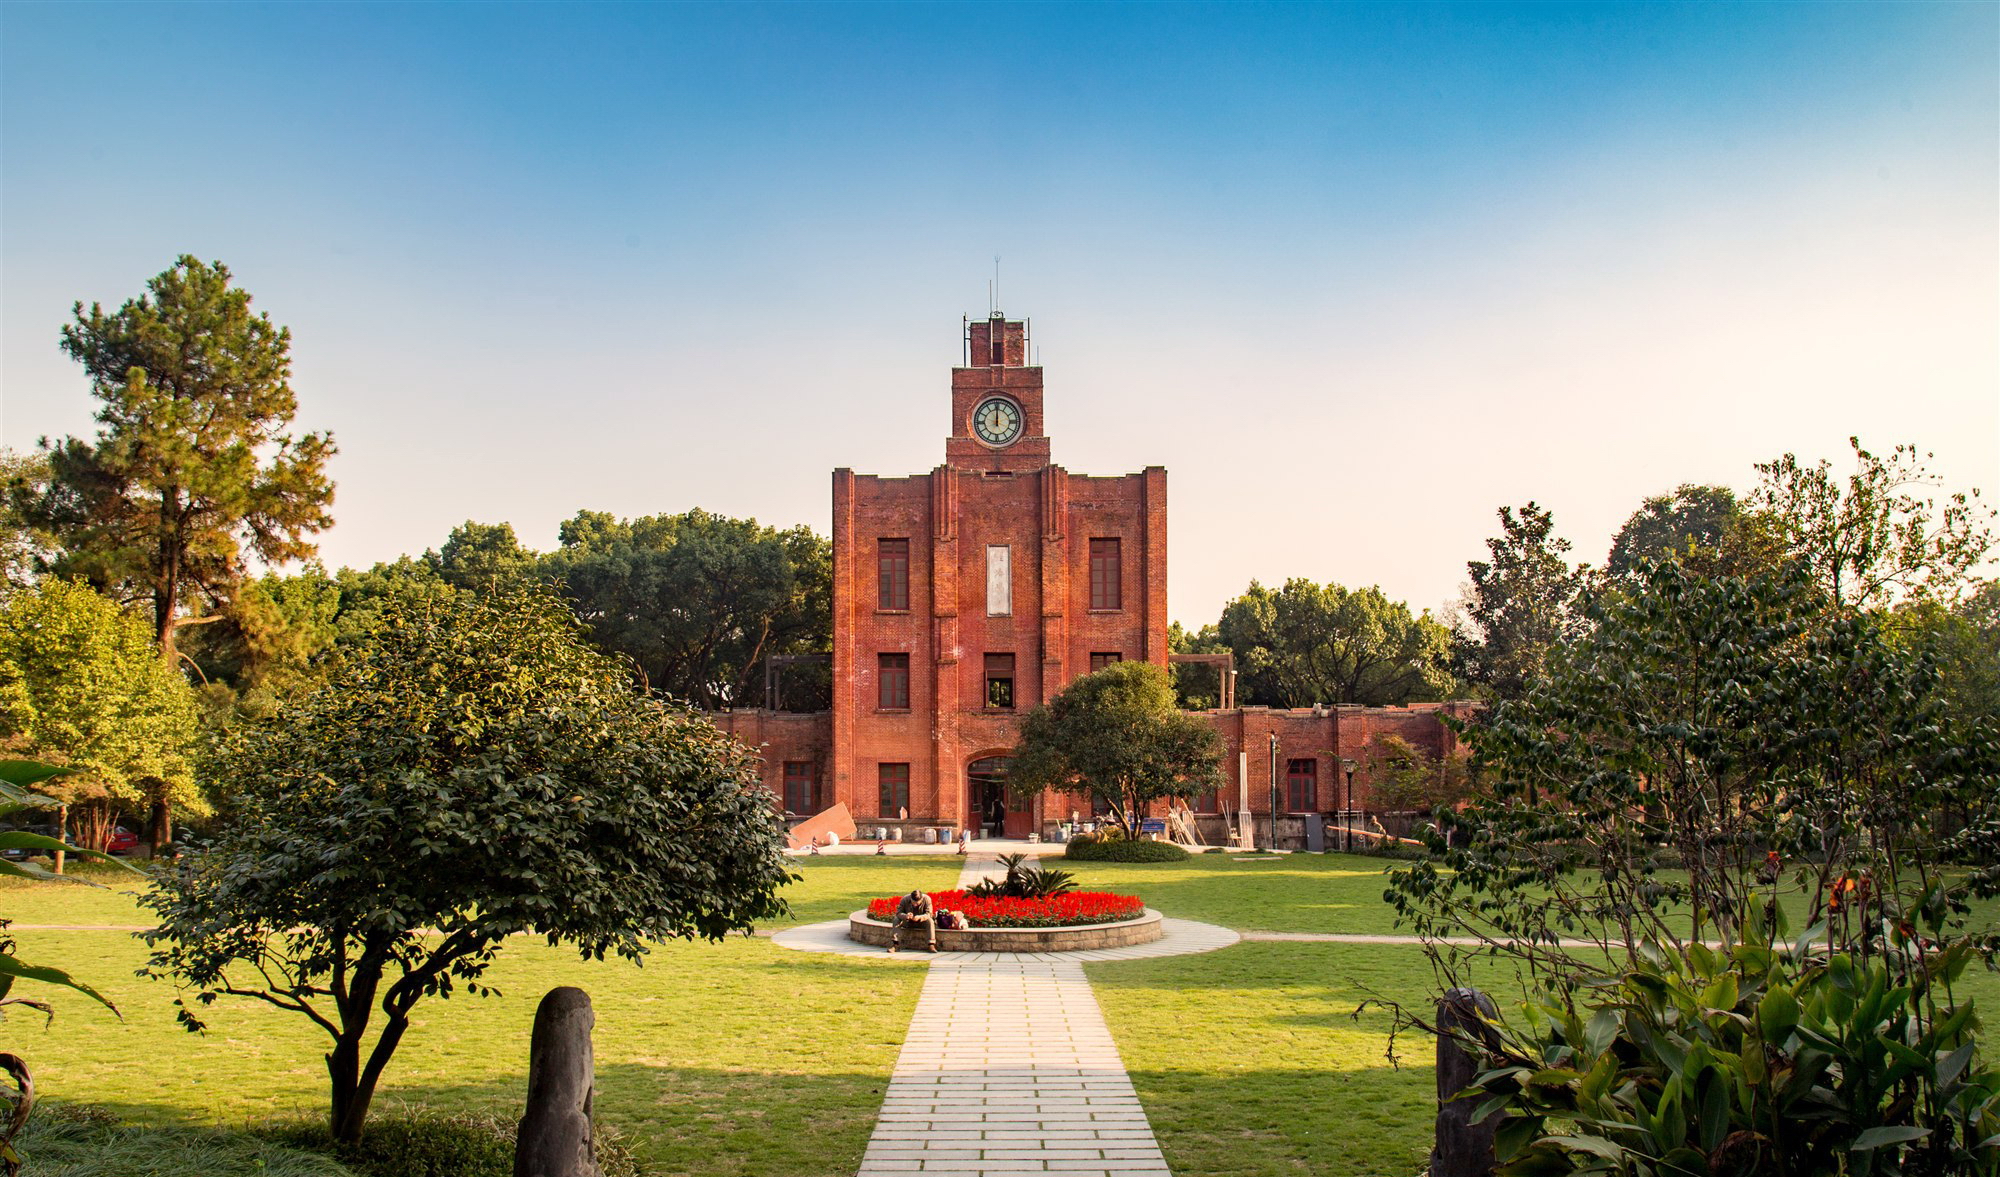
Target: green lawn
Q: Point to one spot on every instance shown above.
(744, 1058)
(1295, 893)
(731, 1058)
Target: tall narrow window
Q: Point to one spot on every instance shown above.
(892, 560)
(800, 794)
(999, 345)
(892, 673)
(1103, 658)
(1000, 682)
(893, 789)
(999, 580)
(1104, 571)
(1302, 786)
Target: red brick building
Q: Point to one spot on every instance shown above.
(968, 595)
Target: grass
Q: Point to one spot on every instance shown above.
(63, 1141)
(746, 1060)
(1295, 893)
(732, 1058)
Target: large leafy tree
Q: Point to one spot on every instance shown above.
(1885, 534)
(1522, 604)
(1722, 725)
(24, 548)
(1116, 737)
(195, 467)
(83, 686)
(696, 601)
(479, 555)
(468, 770)
(1692, 524)
(1307, 643)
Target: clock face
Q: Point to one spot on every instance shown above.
(997, 421)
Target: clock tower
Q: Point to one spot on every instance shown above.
(996, 402)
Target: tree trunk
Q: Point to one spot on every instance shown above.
(62, 822)
(160, 829)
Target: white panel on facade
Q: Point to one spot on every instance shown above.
(999, 580)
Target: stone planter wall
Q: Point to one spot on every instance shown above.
(1144, 930)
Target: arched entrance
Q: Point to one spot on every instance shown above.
(991, 808)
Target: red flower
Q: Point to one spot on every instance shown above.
(1077, 907)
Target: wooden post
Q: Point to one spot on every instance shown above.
(554, 1138)
(1463, 1149)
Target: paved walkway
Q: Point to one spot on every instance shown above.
(1008, 1068)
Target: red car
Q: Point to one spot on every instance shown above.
(123, 841)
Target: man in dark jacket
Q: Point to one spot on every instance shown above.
(914, 909)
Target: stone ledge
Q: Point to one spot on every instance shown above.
(1076, 938)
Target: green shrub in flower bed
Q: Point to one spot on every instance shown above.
(1052, 911)
(1120, 850)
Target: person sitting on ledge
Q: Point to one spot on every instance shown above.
(914, 909)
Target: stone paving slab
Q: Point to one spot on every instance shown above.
(1008, 1067)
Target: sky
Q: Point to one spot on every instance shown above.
(1357, 275)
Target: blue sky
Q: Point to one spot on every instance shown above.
(1357, 275)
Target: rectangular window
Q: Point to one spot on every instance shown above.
(999, 580)
(892, 561)
(1098, 661)
(1302, 786)
(1000, 682)
(801, 795)
(892, 682)
(1209, 802)
(1104, 572)
(893, 791)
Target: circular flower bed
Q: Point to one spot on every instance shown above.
(1056, 911)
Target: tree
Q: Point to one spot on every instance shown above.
(1721, 761)
(1116, 737)
(24, 549)
(1693, 523)
(1405, 777)
(1882, 536)
(1725, 726)
(83, 686)
(467, 770)
(479, 555)
(1521, 605)
(1197, 686)
(696, 601)
(194, 465)
(1306, 644)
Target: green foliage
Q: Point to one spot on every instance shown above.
(1762, 1058)
(24, 548)
(69, 1140)
(82, 685)
(467, 770)
(1405, 777)
(1964, 641)
(421, 1142)
(1090, 849)
(478, 556)
(1522, 605)
(1879, 537)
(1116, 737)
(1693, 524)
(194, 463)
(1197, 687)
(696, 601)
(1024, 881)
(1728, 726)
(1307, 643)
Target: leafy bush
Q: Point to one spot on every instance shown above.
(75, 1140)
(1120, 850)
(420, 1142)
(1761, 1059)
(1023, 881)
